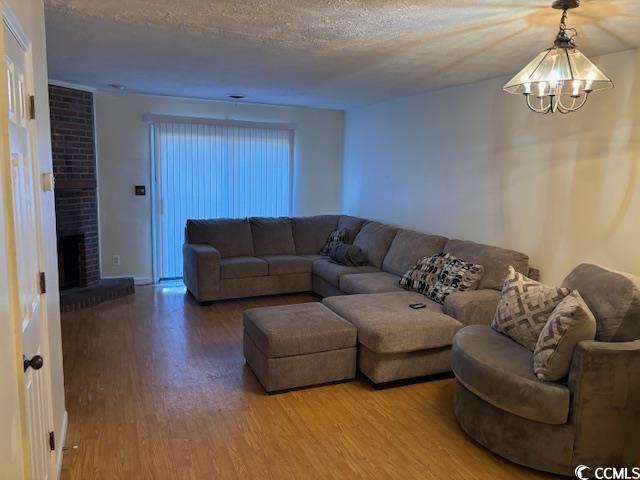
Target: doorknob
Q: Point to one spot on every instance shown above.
(36, 362)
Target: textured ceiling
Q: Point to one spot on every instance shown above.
(322, 53)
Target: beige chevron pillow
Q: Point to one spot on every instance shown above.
(525, 307)
(570, 323)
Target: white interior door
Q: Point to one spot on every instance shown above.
(24, 220)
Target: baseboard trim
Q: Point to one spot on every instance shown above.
(61, 443)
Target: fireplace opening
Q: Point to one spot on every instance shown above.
(69, 260)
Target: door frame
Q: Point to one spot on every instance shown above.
(14, 27)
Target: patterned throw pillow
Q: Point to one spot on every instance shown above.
(570, 323)
(424, 275)
(336, 238)
(525, 307)
(456, 276)
(439, 275)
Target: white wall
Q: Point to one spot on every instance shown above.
(30, 14)
(473, 162)
(122, 140)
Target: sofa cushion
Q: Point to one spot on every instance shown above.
(500, 371)
(272, 236)
(386, 323)
(311, 233)
(287, 264)
(473, 307)
(524, 307)
(331, 272)
(231, 237)
(243, 267)
(313, 257)
(569, 324)
(374, 239)
(495, 260)
(613, 298)
(352, 224)
(408, 247)
(298, 329)
(370, 283)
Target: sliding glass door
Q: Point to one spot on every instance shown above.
(215, 170)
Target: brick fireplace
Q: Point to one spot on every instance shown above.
(76, 199)
(74, 167)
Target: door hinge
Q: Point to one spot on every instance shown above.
(32, 107)
(43, 283)
(52, 441)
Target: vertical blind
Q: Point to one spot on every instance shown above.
(214, 170)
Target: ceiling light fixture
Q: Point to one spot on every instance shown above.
(561, 78)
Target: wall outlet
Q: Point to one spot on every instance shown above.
(115, 260)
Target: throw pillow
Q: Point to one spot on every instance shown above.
(439, 275)
(570, 323)
(525, 307)
(337, 237)
(350, 255)
(424, 275)
(456, 276)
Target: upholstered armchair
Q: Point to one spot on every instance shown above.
(590, 418)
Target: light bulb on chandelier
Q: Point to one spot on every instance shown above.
(561, 78)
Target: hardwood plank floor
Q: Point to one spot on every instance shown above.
(157, 388)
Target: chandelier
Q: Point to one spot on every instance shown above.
(561, 78)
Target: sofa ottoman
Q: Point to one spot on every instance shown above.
(396, 342)
(298, 345)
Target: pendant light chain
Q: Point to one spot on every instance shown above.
(563, 38)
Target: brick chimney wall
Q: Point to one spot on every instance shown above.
(74, 167)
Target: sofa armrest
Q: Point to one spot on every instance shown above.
(604, 380)
(201, 270)
(473, 307)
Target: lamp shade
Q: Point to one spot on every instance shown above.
(557, 67)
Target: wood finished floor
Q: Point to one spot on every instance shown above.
(157, 388)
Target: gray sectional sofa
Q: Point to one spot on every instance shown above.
(264, 256)
(591, 418)
(237, 258)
